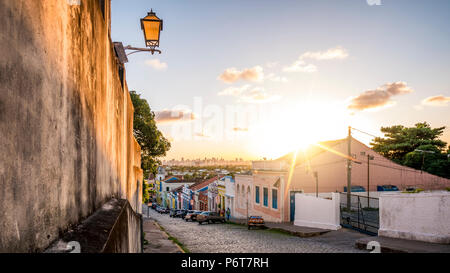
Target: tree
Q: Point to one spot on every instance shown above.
(145, 193)
(152, 141)
(400, 144)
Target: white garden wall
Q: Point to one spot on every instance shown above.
(317, 212)
(419, 216)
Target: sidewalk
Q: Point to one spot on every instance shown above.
(392, 245)
(303, 232)
(158, 240)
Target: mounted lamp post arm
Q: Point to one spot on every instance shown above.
(138, 49)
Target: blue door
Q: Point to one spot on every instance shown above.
(292, 205)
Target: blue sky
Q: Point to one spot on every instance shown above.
(400, 41)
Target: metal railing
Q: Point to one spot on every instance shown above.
(363, 214)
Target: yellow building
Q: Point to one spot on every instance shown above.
(221, 196)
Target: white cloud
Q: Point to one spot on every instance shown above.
(170, 116)
(380, 97)
(337, 53)
(439, 101)
(301, 66)
(231, 75)
(157, 64)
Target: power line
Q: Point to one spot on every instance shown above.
(363, 132)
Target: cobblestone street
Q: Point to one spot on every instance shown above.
(225, 238)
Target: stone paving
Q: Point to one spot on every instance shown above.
(232, 238)
(157, 240)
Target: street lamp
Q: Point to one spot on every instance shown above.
(152, 26)
(423, 156)
(316, 176)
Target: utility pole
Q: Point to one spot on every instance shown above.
(316, 175)
(369, 157)
(247, 208)
(349, 168)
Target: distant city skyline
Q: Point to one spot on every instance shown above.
(256, 79)
(205, 162)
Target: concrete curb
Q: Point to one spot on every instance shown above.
(393, 245)
(310, 232)
(164, 231)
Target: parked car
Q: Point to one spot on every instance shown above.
(165, 210)
(414, 189)
(387, 188)
(355, 189)
(255, 221)
(173, 212)
(192, 215)
(162, 210)
(181, 213)
(210, 217)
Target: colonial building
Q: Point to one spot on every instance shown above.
(270, 190)
(202, 200)
(200, 194)
(167, 186)
(186, 195)
(213, 195)
(229, 193)
(161, 174)
(221, 196)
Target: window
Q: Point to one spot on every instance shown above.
(274, 199)
(266, 197)
(257, 195)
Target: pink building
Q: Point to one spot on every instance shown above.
(272, 187)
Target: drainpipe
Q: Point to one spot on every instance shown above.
(349, 168)
(142, 233)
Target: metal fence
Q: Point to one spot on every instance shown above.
(362, 215)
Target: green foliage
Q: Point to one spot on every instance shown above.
(181, 245)
(153, 143)
(145, 193)
(400, 144)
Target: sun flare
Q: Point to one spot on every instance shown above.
(300, 126)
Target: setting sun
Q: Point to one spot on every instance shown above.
(300, 126)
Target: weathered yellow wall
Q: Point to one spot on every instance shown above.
(65, 121)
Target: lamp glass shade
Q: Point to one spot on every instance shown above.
(152, 26)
